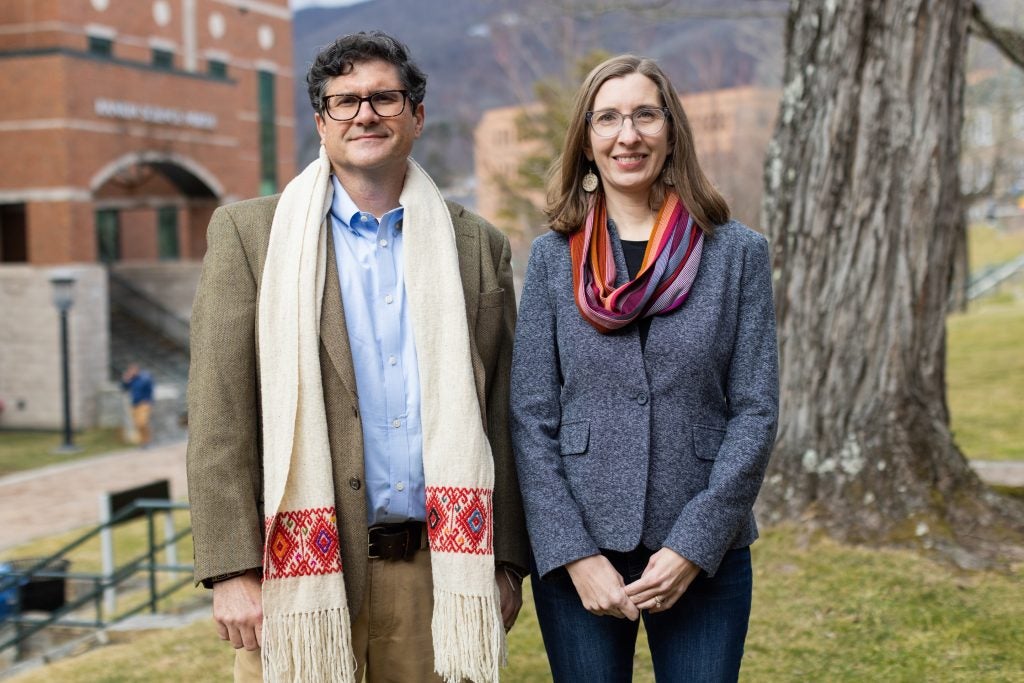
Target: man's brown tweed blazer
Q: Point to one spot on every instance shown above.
(224, 462)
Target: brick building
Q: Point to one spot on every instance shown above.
(124, 124)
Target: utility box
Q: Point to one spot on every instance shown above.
(42, 593)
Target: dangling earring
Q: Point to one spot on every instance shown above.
(589, 183)
(666, 176)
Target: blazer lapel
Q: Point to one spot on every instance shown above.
(468, 246)
(333, 332)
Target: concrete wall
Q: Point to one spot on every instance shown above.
(171, 283)
(30, 366)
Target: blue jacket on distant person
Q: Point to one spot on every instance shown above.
(140, 387)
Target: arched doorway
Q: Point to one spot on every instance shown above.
(153, 206)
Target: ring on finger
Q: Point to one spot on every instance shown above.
(657, 601)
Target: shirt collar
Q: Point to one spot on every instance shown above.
(348, 214)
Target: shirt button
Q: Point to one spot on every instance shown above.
(400, 486)
(641, 399)
(392, 360)
(389, 299)
(396, 424)
(383, 243)
(355, 483)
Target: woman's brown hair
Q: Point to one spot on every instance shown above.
(568, 202)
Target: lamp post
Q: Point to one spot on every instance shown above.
(63, 299)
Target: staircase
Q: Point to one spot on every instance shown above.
(143, 331)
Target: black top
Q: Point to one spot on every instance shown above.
(634, 250)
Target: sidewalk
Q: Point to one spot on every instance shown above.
(1000, 472)
(61, 498)
(64, 497)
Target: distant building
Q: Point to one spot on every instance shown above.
(499, 152)
(124, 124)
(992, 151)
(731, 127)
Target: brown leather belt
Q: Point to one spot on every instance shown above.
(394, 541)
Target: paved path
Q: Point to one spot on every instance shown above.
(63, 497)
(1000, 473)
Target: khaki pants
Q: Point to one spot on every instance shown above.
(140, 418)
(391, 634)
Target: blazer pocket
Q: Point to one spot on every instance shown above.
(495, 297)
(707, 441)
(574, 437)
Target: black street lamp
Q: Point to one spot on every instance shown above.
(63, 299)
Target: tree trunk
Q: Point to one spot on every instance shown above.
(863, 211)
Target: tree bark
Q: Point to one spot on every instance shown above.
(863, 210)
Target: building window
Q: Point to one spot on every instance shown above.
(167, 233)
(102, 47)
(13, 236)
(217, 68)
(268, 134)
(108, 235)
(163, 59)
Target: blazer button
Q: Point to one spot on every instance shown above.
(355, 483)
(641, 398)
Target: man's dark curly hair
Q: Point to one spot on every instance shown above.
(338, 59)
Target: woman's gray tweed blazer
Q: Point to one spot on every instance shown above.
(665, 446)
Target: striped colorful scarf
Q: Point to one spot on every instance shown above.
(665, 277)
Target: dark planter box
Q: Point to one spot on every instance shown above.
(43, 593)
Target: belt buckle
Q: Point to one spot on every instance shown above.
(394, 537)
(369, 545)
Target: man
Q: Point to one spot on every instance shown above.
(351, 345)
(139, 385)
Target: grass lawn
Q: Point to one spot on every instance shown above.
(822, 612)
(989, 246)
(985, 357)
(985, 379)
(130, 541)
(25, 450)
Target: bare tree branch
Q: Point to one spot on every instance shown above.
(1008, 41)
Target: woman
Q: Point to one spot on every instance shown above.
(644, 393)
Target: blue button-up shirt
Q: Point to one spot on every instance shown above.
(368, 252)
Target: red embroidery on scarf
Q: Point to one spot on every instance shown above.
(301, 543)
(460, 520)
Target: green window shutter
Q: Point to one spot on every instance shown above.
(108, 235)
(268, 134)
(167, 233)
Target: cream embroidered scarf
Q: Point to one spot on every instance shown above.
(306, 623)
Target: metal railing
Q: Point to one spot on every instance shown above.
(993, 277)
(26, 626)
(139, 304)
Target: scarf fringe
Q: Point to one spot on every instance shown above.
(459, 622)
(312, 647)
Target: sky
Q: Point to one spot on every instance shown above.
(303, 4)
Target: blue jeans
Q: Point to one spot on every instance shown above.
(700, 639)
